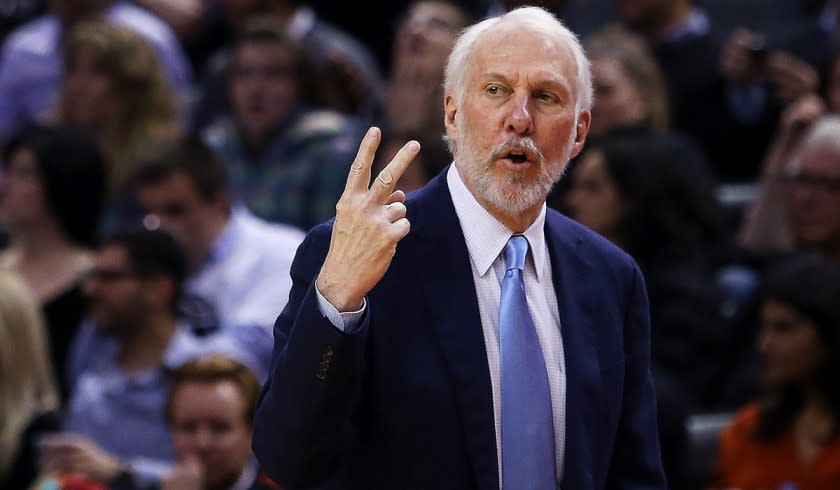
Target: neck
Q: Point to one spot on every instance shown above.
(144, 350)
(214, 232)
(41, 240)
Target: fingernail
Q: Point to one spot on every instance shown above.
(372, 131)
(413, 145)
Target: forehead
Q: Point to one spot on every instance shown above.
(173, 187)
(517, 52)
(260, 50)
(822, 157)
(112, 254)
(205, 397)
(438, 10)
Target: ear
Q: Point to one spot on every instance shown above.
(581, 130)
(450, 109)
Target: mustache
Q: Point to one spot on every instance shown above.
(519, 143)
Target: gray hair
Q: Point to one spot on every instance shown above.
(534, 18)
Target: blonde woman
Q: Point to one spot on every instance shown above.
(114, 87)
(28, 398)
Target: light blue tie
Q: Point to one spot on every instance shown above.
(527, 425)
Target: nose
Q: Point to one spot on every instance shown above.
(764, 342)
(519, 119)
(202, 439)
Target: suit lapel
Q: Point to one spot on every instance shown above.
(449, 289)
(574, 298)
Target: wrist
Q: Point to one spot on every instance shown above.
(337, 295)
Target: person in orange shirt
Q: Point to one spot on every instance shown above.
(791, 438)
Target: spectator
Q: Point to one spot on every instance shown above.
(645, 198)
(421, 48)
(31, 63)
(51, 196)
(287, 162)
(346, 67)
(790, 438)
(629, 87)
(114, 87)
(114, 422)
(28, 397)
(210, 413)
(797, 206)
(239, 264)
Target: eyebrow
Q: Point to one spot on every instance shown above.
(542, 83)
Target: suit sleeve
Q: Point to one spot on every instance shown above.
(303, 421)
(636, 463)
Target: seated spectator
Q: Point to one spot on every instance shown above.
(630, 97)
(347, 69)
(210, 412)
(629, 87)
(238, 264)
(114, 87)
(115, 429)
(796, 209)
(52, 191)
(28, 397)
(287, 162)
(791, 437)
(422, 44)
(643, 197)
(31, 63)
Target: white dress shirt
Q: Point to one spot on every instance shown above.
(486, 238)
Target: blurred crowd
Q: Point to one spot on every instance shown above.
(163, 159)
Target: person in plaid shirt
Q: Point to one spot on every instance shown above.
(287, 161)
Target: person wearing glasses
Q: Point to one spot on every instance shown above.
(796, 210)
(114, 429)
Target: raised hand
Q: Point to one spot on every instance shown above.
(369, 222)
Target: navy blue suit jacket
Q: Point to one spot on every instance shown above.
(405, 402)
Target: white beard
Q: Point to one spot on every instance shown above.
(514, 192)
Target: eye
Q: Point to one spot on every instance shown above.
(546, 97)
(494, 89)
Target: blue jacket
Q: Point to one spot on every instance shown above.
(405, 402)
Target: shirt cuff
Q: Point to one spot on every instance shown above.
(348, 321)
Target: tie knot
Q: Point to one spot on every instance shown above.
(515, 252)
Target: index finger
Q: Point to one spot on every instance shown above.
(359, 176)
(388, 177)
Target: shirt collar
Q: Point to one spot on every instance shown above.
(225, 242)
(486, 236)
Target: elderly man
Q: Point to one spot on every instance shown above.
(469, 338)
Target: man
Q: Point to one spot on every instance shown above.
(437, 368)
(31, 66)
(347, 65)
(210, 411)
(115, 430)
(796, 209)
(286, 160)
(238, 264)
